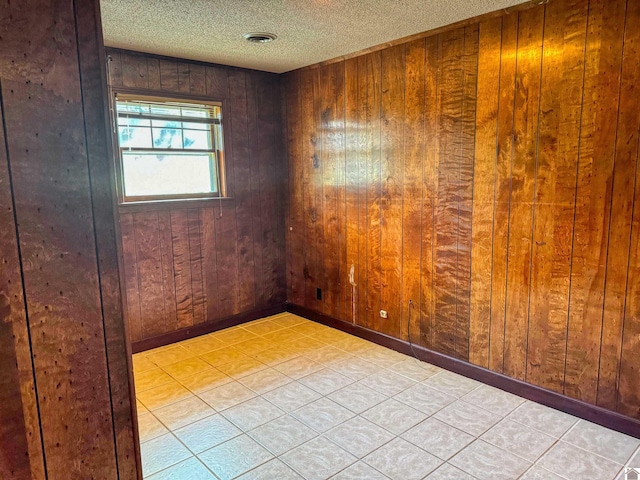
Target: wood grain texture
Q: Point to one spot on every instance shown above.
(73, 361)
(490, 174)
(184, 266)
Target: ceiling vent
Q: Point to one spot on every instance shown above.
(260, 37)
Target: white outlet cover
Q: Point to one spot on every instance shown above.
(383, 313)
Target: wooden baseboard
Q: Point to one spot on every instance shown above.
(578, 408)
(204, 328)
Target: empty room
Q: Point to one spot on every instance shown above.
(321, 239)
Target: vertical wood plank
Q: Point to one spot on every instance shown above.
(373, 182)
(149, 265)
(131, 285)
(217, 81)
(209, 262)
(484, 175)
(429, 191)
(168, 274)
(523, 165)
(450, 103)
(182, 268)
(465, 191)
(392, 171)
(412, 205)
(502, 197)
(184, 77)
(168, 75)
(194, 239)
(197, 80)
(363, 205)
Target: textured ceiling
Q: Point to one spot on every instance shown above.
(308, 31)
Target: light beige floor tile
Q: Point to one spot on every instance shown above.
(183, 413)
(191, 469)
(381, 356)
(572, 462)
(518, 439)
(359, 437)
(387, 382)
(299, 367)
(310, 328)
(282, 434)
(322, 415)
(204, 344)
(449, 472)
(265, 380)
(253, 346)
(492, 399)
(355, 368)
(252, 413)
(163, 395)
(186, 368)
(151, 378)
(401, 460)
(235, 457)
(359, 471)
(234, 335)
(284, 335)
(394, 416)
(328, 355)
(207, 433)
(415, 369)
(168, 356)
(292, 396)
(241, 367)
(486, 462)
(468, 418)
(289, 320)
(275, 356)
(227, 395)
(141, 364)
(357, 397)
(547, 420)
(318, 459)
(150, 427)
(273, 469)
(602, 441)
(325, 381)
(538, 473)
(451, 383)
(160, 453)
(222, 356)
(425, 399)
(438, 438)
(262, 327)
(206, 380)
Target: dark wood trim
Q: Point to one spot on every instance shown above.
(133, 207)
(592, 413)
(204, 328)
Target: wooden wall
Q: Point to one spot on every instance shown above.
(65, 408)
(481, 185)
(187, 265)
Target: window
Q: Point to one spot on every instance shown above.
(169, 149)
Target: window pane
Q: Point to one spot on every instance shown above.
(149, 174)
(196, 126)
(167, 123)
(197, 139)
(167, 138)
(136, 137)
(133, 122)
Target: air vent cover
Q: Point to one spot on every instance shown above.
(260, 37)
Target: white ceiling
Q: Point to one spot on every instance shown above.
(308, 31)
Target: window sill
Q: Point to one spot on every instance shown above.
(147, 206)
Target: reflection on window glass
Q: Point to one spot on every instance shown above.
(149, 174)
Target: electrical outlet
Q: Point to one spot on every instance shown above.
(383, 314)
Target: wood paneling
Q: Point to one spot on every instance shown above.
(65, 410)
(490, 179)
(183, 265)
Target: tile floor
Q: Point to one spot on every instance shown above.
(285, 398)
